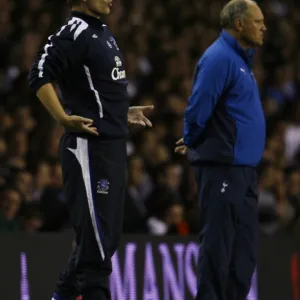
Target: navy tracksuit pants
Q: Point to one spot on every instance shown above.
(228, 197)
(94, 173)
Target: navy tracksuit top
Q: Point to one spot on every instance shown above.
(85, 61)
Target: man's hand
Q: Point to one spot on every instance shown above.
(136, 115)
(49, 99)
(79, 124)
(180, 147)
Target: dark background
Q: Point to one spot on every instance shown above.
(161, 41)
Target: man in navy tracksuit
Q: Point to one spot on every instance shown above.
(224, 131)
(84, 59)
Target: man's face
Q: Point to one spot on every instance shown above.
(100, 7)
(253, 27)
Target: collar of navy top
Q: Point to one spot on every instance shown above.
(246, 54)
(87, 18)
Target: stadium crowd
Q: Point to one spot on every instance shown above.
(161, 41)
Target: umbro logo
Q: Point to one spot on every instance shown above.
(113, 41)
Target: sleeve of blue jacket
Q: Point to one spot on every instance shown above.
(211, 80)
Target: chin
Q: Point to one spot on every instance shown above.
(102, 11)
(106, 12)
(256, 43)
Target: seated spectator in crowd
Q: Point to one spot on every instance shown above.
(23, 118)
(274, 208)
(164, 205)
(168, 217)
(41, 179)
(10, 203)
(139, 187)
(18, 148)
(32, 219)
(23, 181)
(52, 201)
(293, 194)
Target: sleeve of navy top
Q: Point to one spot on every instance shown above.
(63, 49)
(211, 79)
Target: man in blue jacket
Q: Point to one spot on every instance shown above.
(224, 135)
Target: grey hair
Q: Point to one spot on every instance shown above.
(233, 10)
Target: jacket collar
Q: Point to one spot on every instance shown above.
(246, 54)
(87, 18)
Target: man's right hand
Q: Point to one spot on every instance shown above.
(79, 124)
(49, 99)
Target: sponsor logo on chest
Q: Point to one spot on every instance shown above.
(116, 73)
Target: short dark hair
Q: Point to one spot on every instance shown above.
(232, 10)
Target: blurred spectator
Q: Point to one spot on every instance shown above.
(165, 206)
(41, 179)
(3, 149)
(24, 119)
(139, 187)
(53, 206)
(10, 203)
(293, 194)
(32, 219)
(168, 217)
(274, 206)
(23, 181)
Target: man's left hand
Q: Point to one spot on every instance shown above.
(180, 147)
(136, 115)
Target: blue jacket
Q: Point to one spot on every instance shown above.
(224, 121)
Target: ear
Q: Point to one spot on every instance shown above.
(238, 24)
